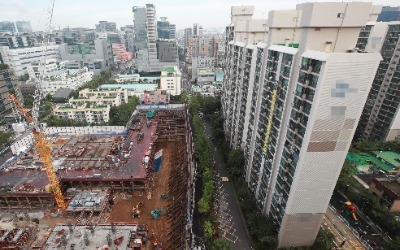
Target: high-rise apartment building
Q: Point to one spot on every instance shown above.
(378, 121)
(8, 85)
(145, 39)
(389, 14)
(23, 26)
(293, 94)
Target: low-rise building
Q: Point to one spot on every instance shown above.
(134, 89)
(20, 58)
(155, 97)
(171, 80)
(72, 79)
(120, 53)
(388, 190)
(96, 97)
(98, 114)
(127, 78)
(205, 75)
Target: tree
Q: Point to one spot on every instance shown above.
(4, 136)
(4, 66)
(120, 115)
(54, 121)
(393, 244)
(324, 240)
(235, 163)
(220, 244)
(28, 101)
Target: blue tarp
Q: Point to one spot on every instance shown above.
(157, 161)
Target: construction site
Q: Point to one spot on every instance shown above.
(133, 190)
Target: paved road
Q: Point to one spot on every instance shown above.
(243, 241)
(341, 232)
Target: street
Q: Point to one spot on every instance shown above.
(243, 241)
(332, 223)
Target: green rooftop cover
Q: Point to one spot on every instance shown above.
(169, 69)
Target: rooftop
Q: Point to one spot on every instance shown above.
(390, 157)
(131, 86)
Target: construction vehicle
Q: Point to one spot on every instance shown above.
(139, 136)
(42, 147)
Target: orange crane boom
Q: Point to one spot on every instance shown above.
(44, 153)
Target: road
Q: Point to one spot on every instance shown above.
(243, 241)
(341, 232)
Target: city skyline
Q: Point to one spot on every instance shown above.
(183, 14)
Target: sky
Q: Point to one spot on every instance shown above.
(183, 13)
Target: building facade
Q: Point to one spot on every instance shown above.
(23, 26)
(292, 97)
(97, 115)
(378, 121)
(7, 27)
(155, 97)
(54, 75)
(20, 58)
(95, 97)
(96, 57)
(152, 54)
(389, 14)
(171, 80)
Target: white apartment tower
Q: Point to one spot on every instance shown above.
(381, 117)
(293, 102)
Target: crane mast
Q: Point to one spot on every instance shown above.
(39, 136)
(44, 152)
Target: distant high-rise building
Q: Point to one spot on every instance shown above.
(293, 94)
(23, 26)
(188, 32)
(8, 27)
(104, 26)
(165, 30)
(195, 29)
(389, 14)
(378, 121)
(149, 59)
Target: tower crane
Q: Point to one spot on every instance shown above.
(39, 136)
(44, 152)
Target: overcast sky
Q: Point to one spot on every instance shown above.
(86, 13)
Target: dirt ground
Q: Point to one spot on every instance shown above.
(122, 210)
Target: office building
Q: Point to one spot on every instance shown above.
(20, 58)
(54, 75)
(165, 30)
(23, 26)
(96, 57)
(16, 41)
(171, 80)
(293, 94)
(389, 14)
(378, 121)
(7, 27)
(146, 42)
(105, 26)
